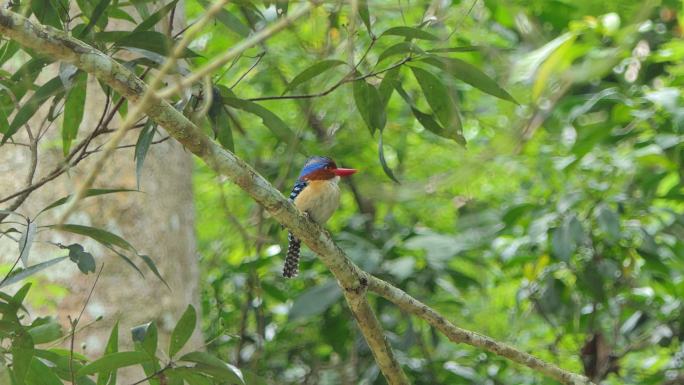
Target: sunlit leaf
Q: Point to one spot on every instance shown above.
(26, 241)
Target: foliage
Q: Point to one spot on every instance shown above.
(558, 230)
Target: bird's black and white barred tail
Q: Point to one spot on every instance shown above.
(291, 268)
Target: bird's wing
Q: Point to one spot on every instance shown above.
(297, 188)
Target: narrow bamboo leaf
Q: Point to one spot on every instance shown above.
(409, 32)
(370, 105)
(118, 13)
(470, 74)
(45, 333)
(312, 72)
(220, 122)
(428, 121)
(383, 162)
(22, 355)
(269, 119)
(465, 48)
(145, 338)
(437, 95)
(315, 300)
(142, 146)
(552, 64)
(150, 263)
(74, 107)
(151, 21)
(365, 15)
(100, 235)
(402, 48)
(99, 10)
(207, 363)
(40, 374)
(229, 20)
(389, 82)
(89, 193)
(26, 241)
(126, 259)
(152, 41)
(21, 274)
(183, 330)
(51, 88)
(113, 361)
(111, 347)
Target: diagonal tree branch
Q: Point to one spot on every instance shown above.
(354, 281)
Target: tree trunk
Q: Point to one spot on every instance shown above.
(158, 222)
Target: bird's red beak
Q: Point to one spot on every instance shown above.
(344, 171)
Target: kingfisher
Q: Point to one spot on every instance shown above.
(317, 194)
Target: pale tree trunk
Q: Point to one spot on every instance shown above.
(158, 221)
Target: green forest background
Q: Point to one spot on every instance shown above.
(527, 184)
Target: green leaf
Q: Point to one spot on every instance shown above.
(370, 105)
(311, 72)
(142, 146)
(145, 338)
(27, 111)
(470, 74)
(428, 121)
(73, 111)
(220, 122)
(269, 119)
(383, 162)
(209, 364)
(365, 15)
(438, 97)
(21, 274)
(100, 235)
(45, 333)
(111, 347)
(89, 193)
(229, 20)
(151, 41)
(183, 330)
(99, 10)
(22, 354)
(83, 259)
(389, 82)
(405, 47)
(113, 361)
(190, 376)
(609, 222)
(150, 263)
(409, 32)
(41, 374)
(566, 237)
(315, 300)
(26, 241)
(151, 21)
(467, 48)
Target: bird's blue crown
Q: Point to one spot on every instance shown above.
(315, 163)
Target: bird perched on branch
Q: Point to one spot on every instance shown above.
(317, 194)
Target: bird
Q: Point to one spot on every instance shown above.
(317, 194)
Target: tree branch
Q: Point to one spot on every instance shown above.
(458, 335)
(351, 278)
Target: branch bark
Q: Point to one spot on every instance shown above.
(354, 281)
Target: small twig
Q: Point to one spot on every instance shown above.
(458, 335)
(155, 374)
(74, 324)
(344, 80)
(258, 59)
(237, 49)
